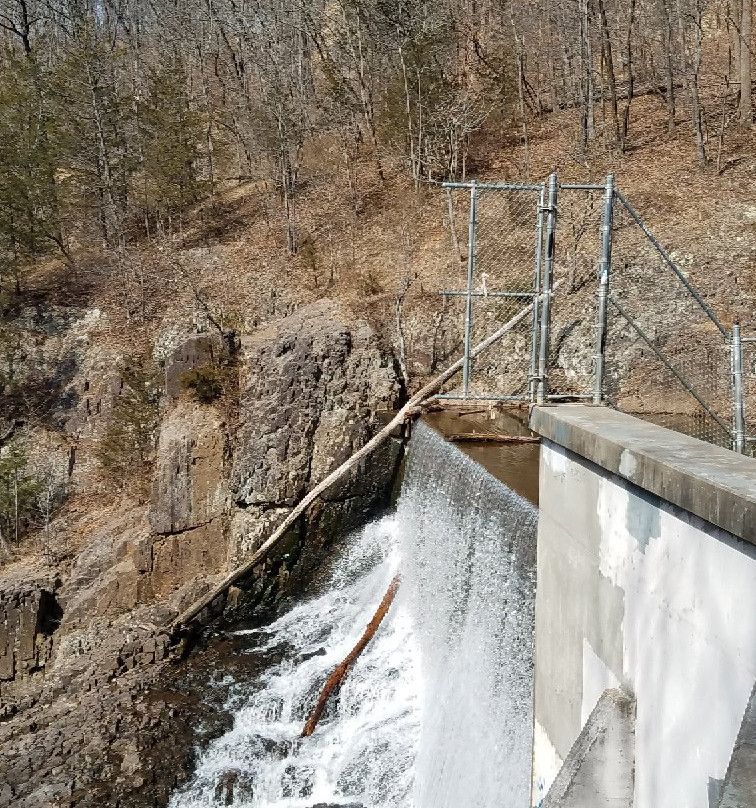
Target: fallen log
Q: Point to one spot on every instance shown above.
(424, 393)
(491, 437)
(340, 671)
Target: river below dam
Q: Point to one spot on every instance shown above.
(436, 712)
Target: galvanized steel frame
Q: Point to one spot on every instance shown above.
(531, 298)
(543, 289)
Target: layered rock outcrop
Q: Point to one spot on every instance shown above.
(76, 652)
(29, 617)
(312, 389)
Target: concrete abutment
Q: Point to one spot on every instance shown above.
(646, 585)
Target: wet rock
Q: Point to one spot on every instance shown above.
(338, 805)
(304, 657)
(224, 790)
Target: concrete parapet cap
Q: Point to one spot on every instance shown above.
(713, 483)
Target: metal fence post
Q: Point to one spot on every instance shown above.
(533, 381)
(548, 282)
(470, 282)
(603, 290)
(738, 411)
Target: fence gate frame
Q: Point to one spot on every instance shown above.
(543, 261)
(544, 289)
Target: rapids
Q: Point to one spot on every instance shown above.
(436, 712)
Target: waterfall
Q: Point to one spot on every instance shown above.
(436, 712)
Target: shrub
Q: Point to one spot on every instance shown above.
(129, 440)
(18, 491)
(207, 383)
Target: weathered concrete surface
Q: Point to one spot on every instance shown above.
(636, 592)
(708, 481)
(600, 768)
(739, 788)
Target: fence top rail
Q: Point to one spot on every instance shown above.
(522, 186)
(671, 264)
(570, 186)
(494, 186)
(523, 295)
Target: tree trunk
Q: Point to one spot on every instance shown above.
(630, 76)
(669, 65)
(341, 670)
(521, 109)
(110, 219)
(15, 505)
(734, 9)
(408, 112)
(611, 78)
(692, 63)
(745, 109)
(587, 124)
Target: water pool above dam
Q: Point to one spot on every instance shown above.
(514, 464)
(436, 712)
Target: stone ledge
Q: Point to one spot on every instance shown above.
(713, 483)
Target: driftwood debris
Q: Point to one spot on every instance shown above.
(341, 670)
(491, 437)
(426, 392)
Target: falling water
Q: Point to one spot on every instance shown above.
(436, 712)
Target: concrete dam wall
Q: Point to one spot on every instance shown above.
(645, 637)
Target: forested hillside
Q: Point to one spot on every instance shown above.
(168, 167)
(117, 118)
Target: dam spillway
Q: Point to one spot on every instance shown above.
(437, 711)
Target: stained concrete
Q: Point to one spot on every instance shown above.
(739, 790)
(636, 591)
(713, 483)
(600, 768)
(585, 604)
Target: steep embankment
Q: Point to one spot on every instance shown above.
(81, 639)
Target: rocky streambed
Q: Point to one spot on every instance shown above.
(97, 705)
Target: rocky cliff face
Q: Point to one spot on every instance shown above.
(91, 631)
(29, 615)
(310, 390)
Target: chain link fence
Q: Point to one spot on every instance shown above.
(749, 392)
(498, 283)
(667, 357)
(623, 326)
(570, 369)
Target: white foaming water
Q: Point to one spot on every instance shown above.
(436, 712)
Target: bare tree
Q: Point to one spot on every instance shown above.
(745, 107)
(690, 30)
